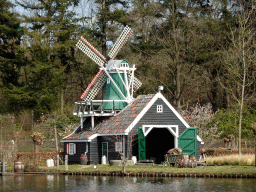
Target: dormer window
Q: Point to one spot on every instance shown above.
(159, 109)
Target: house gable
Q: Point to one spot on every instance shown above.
(150, 115)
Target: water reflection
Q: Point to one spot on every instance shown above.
(47, 182)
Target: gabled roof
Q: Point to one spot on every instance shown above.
(123, 122)
(115, 125)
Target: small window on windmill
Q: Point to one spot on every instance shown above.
(108, 80)
(159, 109)
(124, 65)
(118, 147)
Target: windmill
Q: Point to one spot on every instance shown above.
(118, 76)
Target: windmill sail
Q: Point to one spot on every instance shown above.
(136, 82)
(120, 42)
(116, 74)
(91, 52)
(95, 86)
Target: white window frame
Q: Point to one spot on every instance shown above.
(118, 146)
(159, 109)
(124, 65)
(71, 148)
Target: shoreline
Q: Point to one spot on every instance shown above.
(163, 175)
(141, 174)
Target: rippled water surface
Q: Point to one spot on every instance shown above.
(95, 183)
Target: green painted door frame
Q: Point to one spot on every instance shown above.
(141, 145)
(105, 149)
(188, 141)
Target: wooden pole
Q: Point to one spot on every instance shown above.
(66, 162)
(1, 144)
(56, 139)
(58, 162)
(62, 102)
(3, 165)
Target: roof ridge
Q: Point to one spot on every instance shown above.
(129, 105)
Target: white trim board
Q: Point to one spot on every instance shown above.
(175, 132)
(91, 137)
(144, 111)
(73, 141)
(152, 101)
(79, 126)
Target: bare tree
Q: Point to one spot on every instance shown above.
(240, 62)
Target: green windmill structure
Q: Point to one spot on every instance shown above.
(116, 75)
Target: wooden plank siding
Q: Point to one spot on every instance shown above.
(167, 117)
(151, 117)
(93, 149)
(80, 149)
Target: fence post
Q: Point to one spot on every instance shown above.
(3, 165)
(66, 162)
(58, 162)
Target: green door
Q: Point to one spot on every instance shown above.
(105, 149)
(141, 145)
(188, 141)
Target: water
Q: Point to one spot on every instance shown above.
(45, 182)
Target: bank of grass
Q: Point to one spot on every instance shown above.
(244, 160)
(245, 170)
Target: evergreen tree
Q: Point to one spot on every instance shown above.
(110, 16)
(11, 56)
(50, 40)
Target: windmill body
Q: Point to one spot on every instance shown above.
(116, 75)
(111, 93)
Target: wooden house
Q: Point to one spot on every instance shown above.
(146, 128)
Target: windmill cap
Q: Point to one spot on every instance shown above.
(115, 63)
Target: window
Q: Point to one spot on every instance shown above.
(159, 109)
(118, 147)
(108, 80)
(124, 65)
(71, 148)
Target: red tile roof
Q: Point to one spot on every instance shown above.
(115, 124)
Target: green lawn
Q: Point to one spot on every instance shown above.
(159, 169)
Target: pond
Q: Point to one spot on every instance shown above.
(49, 182)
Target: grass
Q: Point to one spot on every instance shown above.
(244, 160)
(159, 169)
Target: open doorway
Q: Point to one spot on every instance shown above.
(158, 142)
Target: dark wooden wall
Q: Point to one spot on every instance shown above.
(151, 117)
(80, 149)
(94, 155)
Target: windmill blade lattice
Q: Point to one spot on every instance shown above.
(94, 87)
(91, 52)
(136, 82)
(120, 42)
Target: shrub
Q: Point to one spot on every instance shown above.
(231, 160)
(223, 152)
